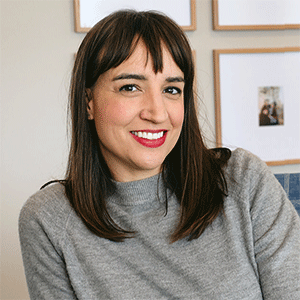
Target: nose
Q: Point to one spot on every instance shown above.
(154, 107)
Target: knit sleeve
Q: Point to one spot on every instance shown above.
(276, 234)
(44, 265)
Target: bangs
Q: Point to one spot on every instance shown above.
(118, 40)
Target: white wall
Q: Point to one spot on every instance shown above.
(38, 43)
(37, 50)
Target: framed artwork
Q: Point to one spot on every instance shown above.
(256, 14)
(257, 102)
(88, 13)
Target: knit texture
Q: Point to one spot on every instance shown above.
(251, 251)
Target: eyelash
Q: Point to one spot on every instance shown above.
(169, 90)
(128, 88)
(173, 88)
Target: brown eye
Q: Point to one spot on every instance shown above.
(173, 90)
(128, 88)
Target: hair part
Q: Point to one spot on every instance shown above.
(193, 172)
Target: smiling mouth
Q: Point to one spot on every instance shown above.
(148, 135)
(150, 138)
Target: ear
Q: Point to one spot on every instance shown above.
(89, 103)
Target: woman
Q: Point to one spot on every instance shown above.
(146, 210)
(264, 118)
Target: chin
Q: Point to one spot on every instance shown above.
(151, 166)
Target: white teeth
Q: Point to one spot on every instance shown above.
(148, 135)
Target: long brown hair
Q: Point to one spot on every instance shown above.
(193, 172)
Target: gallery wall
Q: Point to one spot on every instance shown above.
(38, 43)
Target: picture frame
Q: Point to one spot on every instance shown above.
(255, 14)
(250, 85)
(88, 13)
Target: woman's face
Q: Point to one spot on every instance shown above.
(138, 114)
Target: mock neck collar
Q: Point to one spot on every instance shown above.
(139, 192)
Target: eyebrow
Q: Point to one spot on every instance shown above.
(142, 77)
(129, 76)
(175, 79)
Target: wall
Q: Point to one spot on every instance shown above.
(38, 43)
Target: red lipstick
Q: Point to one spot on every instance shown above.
(150, 143)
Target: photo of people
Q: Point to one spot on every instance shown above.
(270, 104)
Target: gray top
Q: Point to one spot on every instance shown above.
(250, 252)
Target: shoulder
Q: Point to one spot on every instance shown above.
(245, 169)
(48, 209)
(249, 178)
(242, 160)
(250, 181)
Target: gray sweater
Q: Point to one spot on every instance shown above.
(252, 251)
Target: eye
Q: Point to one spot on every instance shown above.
(128, 88)
(172, 90)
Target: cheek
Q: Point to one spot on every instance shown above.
(176, 114)
(114, 113)
(100, 112)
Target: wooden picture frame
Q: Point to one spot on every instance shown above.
(245, 81)
(88, 13)
(256, 14)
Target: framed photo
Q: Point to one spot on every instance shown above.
(257, 102)
(88, 13)
(256, 14)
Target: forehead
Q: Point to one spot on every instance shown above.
(141, 59)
